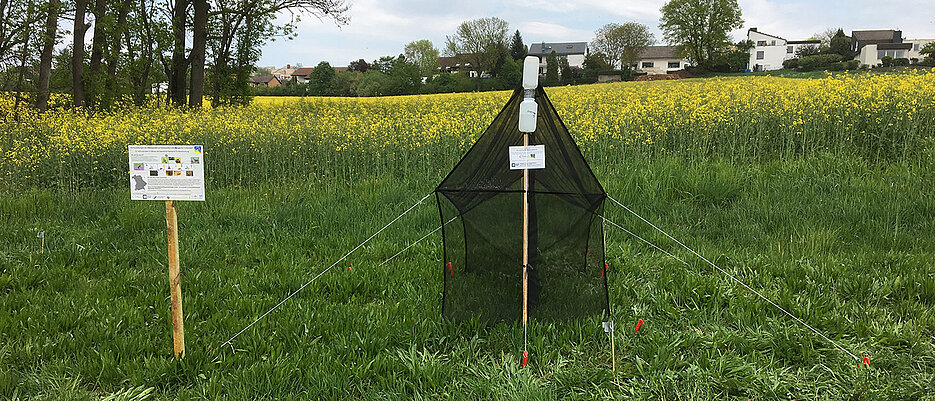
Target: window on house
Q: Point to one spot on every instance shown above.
(675, 64)
(759, 55)
(790, 49)
(761, 43)
(881, 54)
(647, 64)
(772, 43)
(915, 46)
(900, 54)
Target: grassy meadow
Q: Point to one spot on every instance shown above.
(816, 192)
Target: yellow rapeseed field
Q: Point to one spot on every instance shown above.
(890, 116)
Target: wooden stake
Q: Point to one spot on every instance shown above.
(175, 281)
(525, 241)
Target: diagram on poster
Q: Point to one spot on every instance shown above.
(167, 172)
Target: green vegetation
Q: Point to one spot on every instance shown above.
(845, 245)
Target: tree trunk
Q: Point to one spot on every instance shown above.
(22, 69)
(99, 37)
(199, 43)
(45, 60)
(177, 76)
(116, 43)
(94, 84)
(147, 51)
(77, 53)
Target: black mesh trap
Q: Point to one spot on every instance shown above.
(483, 249)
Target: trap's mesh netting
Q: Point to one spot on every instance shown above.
(485, 246)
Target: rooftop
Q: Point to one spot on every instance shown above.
(660, 52)
(562, 48)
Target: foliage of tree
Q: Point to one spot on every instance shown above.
(551, 69)
(360, 66)
(807, 50)
(623, 43)
(511, 73)
(319, 80)
(518, 49)
(841, 45)
(424, 55)
(928, 50)
(117, 48)
(826, 36)
(481, 42)
(700, 27)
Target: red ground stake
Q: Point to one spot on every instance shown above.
(349, 268)
(638, 324)
(866, 361)
(605, 269)
(451, 269)
(525, 357)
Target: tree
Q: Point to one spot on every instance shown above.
(700, 27)
(359, 66)
(841, 44)
(404, 78)
(511, 73)
(384, 64)
(928, 50)
(239, 28)
(424, 55)
(565, 69)
(518, 49)
(807, 50)
(826, 36)
(45, 60)
(481, 42)
(551, 69)
(319, 80)
(79, 29)
(623, 43)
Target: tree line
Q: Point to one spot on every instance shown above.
(198, 47)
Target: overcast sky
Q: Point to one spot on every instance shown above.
(384, 27)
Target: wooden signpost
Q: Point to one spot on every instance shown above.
(169, 173)
(175, 281)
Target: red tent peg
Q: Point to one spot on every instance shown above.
(349, 268)
(638, 324)
(865, 361)
(451, 269)
(525, 358)
(605, 269)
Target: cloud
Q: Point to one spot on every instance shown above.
(553, 32)
(379, 28)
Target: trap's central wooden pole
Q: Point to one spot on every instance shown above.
(175, 281)
(525, 243)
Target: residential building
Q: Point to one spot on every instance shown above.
(872, 45)
(284, 74)
(455, 64)
(574, 52)
(300, 75)
(660, 60)
(264, 80)
(769, 51)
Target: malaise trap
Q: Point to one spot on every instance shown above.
(491, 208)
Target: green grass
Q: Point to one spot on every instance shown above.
(844, 244)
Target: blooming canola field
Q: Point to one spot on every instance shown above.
(879, 117)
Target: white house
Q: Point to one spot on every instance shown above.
(660, 60)
(872, 45)
(574, 52)
(769, 51)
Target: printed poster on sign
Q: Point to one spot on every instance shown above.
(527, 157)
(167, 172)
